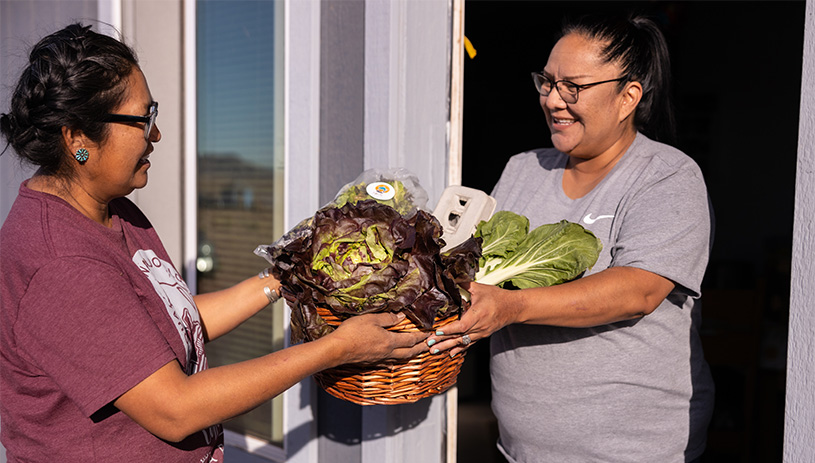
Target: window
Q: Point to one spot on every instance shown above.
(239, 174)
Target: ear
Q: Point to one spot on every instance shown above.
(73, 139)
(630, 98)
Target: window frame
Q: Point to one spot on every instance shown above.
(298, 27)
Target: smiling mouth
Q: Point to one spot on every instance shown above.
(558, 121)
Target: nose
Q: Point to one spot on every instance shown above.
(155, 134)
(553, 100)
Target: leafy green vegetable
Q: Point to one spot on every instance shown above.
(546, 256)
(501, 235)
(365, 257)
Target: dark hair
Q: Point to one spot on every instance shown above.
(73, 77)
(639, 47)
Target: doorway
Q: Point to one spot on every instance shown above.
(737, 96)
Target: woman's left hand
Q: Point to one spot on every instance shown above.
(491, 309)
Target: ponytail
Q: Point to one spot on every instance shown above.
(638, 46)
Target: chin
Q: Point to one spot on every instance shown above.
(140, 182)
(562, 145)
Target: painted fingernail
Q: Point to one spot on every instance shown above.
(431, 342)
(439, 333)
(435, 351)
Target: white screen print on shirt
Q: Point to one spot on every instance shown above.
(178, 301)
(177, 298)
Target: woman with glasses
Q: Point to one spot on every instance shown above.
(607, 367)
(101, 343)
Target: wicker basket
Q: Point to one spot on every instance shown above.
(394, 381)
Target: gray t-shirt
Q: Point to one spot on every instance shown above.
(634, 391)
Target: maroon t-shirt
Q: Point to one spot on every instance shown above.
(86, 313)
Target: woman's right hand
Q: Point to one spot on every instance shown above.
(491, 309)
(365, 339)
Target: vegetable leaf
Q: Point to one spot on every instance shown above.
(550, 254)
(501, 235)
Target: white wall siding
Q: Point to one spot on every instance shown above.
(302, 166)
(407, 89)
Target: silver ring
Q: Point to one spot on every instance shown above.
(264, 273)
(271, 294)
(466, 339)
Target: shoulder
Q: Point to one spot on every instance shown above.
(33, 220)
(21, 218)
(663, 160)
(42, 227)
(660, 179)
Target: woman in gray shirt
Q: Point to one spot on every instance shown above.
(607, 367)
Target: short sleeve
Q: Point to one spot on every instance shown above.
(83, 325)
(667, 226)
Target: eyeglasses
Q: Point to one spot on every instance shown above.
(568, 90)
(149, 120)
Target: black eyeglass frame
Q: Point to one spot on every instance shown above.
(149, 120)
(577, 87)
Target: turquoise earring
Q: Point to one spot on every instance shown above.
(81, 155)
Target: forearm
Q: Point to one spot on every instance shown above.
(235, 389)
(172, 405)
(615, 294)
(183, 405)
(222, 311)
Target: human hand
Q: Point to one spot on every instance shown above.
(491, 309)
(364, 339)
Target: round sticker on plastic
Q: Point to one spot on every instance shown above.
(381, 190)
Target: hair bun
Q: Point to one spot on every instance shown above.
(8, 120)
(73, 75)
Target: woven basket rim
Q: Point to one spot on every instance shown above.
(392, 382)
(405, 325)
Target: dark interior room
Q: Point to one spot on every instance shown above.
(737, 77)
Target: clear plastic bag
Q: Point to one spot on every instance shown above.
(398, 188)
